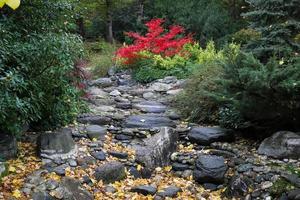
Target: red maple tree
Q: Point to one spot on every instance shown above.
(157, 41)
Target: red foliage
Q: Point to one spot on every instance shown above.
(157, 41)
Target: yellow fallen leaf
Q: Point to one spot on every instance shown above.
(94, 139)
(139, 167)
(11, 169)
(17, 194)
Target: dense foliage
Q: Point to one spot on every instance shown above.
(257, 86)
(37, 73)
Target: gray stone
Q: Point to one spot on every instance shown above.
(208, 135)
(96, 131)
(244, 167)
(99, 155)
(281, 145)
(148, 121)
(115, 93)
(294, 194)
(102, 82)
(210, 169)
(61, 169)
(51, 184)
(110, 189)
(57, 145)
(156, 150)
(180, 167)
(149, 95)
(174, 92)
(120, 155)
(42, 196)
(8, 147)
(96, 120)
(110, 172)
(160, 87)
(150, 107)
(239, 186)
(124, 105)
(72, 190)
(170, 191)
(123, 137)
(144, 189)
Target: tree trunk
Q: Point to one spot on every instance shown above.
(140, 12)
(109, 22)
(81, 28)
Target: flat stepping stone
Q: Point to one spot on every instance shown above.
(96, 131)
(150, 107)
(144, 189)
(94, 120)
(208, 135)
(148, 121)
(120, 155)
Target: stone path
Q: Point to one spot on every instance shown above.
(133, 145)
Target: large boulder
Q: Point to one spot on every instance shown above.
(208, 135)
(281, 145)
(110, 172)
(156, 150)
(210, 169)
(56, 145)
(150, 107)
(148, 121)
(8, 146)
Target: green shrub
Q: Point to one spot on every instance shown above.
(37, 74)
(245, 35)
(265, 96)
(100, 57)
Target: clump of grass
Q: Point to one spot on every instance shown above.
(100, 56)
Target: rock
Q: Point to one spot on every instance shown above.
(96, 131)
(96, 120)
(148, 121)
(266, 185)
(174, 92)
(210, 186)
(124, 105)
(144, 189)
(99, 155)
(150, 107)
(180, 167)
(208, 135)
(87, 160)
(160, 87)
(60, 170)
(157, 149)
(8, 146)
(244, 167)
(210, 169)
(73, 190)
(294, 194)
(42, 196)
(115, 93)
(239, 186)
(149, 95)
(171, 191)
(51, 184)
(281, 145)
(143, 173)
(57, 145)
(102, 82)
(72, 163)
(120, 155)
(123, 137)
(110, 172)
(110, 189)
